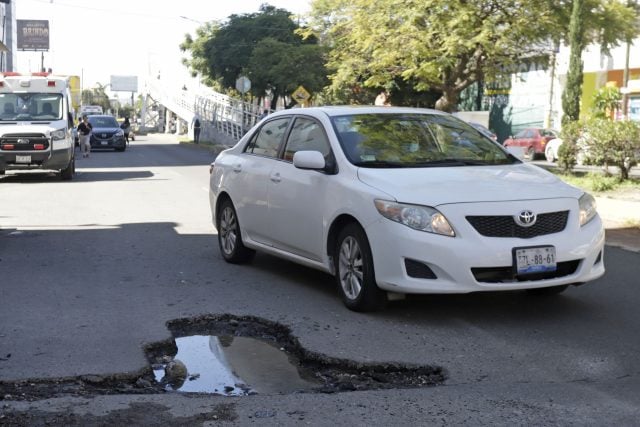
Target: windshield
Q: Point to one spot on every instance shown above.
(415, 140)
(103, 122)
(30, 106)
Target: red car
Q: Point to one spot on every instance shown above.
(532, 141)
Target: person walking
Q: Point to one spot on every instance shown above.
(126, 127)
(84, 135)
(196, 129)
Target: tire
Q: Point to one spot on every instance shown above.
(2, 172)
(355, 274)
(121, 149)
(230, 237)
(531, 153)
(548, 154)
(549, 291)
(67, 173)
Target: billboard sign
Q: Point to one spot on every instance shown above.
(124, 83)
(33, 34)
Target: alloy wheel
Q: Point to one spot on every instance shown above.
(228, 230)
(350, 268)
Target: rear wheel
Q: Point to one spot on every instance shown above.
(552, 290)
(354, 271)
(230, 237)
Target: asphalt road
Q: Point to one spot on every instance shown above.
(92, 270)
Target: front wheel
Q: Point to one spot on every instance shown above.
(230, 237)
(354, 271)
(531, 153)
(548, 153)
(67, 173)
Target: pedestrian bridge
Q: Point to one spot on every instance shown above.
(169, 109)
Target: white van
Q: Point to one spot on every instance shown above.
(36, 120)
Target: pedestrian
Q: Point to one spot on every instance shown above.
(84, 135)
(196, 129)
(126, 127)
(264, 114)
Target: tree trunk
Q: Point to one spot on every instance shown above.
(448, 102)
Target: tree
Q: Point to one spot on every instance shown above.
(573, 89)
(606, 101)
(445, 45)
(96, 96)
(223, 52)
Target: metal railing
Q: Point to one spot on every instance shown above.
(216, 112)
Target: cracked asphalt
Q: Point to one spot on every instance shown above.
(92, 270)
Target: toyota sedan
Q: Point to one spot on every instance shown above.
(399, 200)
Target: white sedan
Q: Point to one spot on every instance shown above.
(400, 200)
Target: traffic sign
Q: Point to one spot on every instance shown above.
(301, 95)
(243, 84)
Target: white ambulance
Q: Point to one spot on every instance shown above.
(36, 120)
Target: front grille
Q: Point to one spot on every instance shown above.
(505, 226)
(507, 274)
(24, 141)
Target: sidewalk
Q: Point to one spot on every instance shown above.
(621, 218)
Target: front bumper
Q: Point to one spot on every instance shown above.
(56, 159)
(471, 262)
(115, 141)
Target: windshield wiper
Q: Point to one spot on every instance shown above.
(382, 164)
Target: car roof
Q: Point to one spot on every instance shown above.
(338, 110)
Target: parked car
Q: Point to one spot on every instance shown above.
(400, 200)
(532, 140)
(484, 130)
(106, 133)
(551, 152)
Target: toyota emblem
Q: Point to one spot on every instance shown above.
(22, 141)
(525, 219)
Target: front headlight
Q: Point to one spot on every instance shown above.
(58, 135)
(120, 132)
(587, 208)
(421, 218)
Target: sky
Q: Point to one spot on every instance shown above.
(97, 39)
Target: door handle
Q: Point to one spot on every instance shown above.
(237, 168)
(275, 177)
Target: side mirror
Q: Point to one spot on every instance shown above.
(313, 160)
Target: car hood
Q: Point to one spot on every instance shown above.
(443, 185)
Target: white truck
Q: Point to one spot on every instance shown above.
(36, 120)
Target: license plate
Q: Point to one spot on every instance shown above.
(539, 259)
(104, 142)
(23, 159)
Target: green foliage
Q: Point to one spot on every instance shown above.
(605, 102)
(125, 111)
(568, 150)
(96, 96)
(444, 45)
(612, 143)
(573, 89)
(264, 46)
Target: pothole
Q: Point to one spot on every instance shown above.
(255, 356)
(240, 356)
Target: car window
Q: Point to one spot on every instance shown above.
(548, 132)
(267, 140)
(103, 122)
(521, 134)
(306, 134)
(414, 140)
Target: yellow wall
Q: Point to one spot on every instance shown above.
(589, 88)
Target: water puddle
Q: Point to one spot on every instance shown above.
(242, 356)
(230, 366)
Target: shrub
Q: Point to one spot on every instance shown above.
(614, 143)
(568, 150)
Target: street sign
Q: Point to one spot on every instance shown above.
(301, 95)
(243, 84)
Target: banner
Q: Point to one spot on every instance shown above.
(32, 34)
